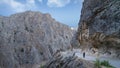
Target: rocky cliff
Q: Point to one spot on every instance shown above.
(28, 38)
(69, 61)
(99, 26)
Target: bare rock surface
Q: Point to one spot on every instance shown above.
(28, 38)
(90, 58)
(101, 16)
(67, 61)
(99, 26)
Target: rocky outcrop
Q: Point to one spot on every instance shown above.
(99, 26)
(61, 61)
(30, 37)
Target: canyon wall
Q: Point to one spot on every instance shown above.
(28, 38)
(99, 26)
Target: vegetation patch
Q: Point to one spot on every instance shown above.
(101, 64)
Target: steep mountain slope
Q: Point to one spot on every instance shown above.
(30, 37)
(99, 26)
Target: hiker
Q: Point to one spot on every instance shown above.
(83, 54)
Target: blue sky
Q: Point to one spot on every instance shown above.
(64, 11)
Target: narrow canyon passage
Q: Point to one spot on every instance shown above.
(114, 62)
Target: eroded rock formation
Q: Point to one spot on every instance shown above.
(30, 37)
(99, 26)
(61, 61)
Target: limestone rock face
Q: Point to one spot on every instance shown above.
(101, 16)
(60, 61)
(31, 37)
(99, 25)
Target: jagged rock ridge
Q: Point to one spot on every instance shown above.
(29, 38)
(62, 61)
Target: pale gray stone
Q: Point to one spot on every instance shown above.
(29, 38)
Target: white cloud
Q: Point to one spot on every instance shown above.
(40, 1)
(18, 6)
(30, 4)
(57, 3)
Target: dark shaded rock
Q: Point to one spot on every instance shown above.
(99, 26)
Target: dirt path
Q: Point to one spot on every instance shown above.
(112, 61)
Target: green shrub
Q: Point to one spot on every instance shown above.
(99, 64)
(106, 64)
(41, 66)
